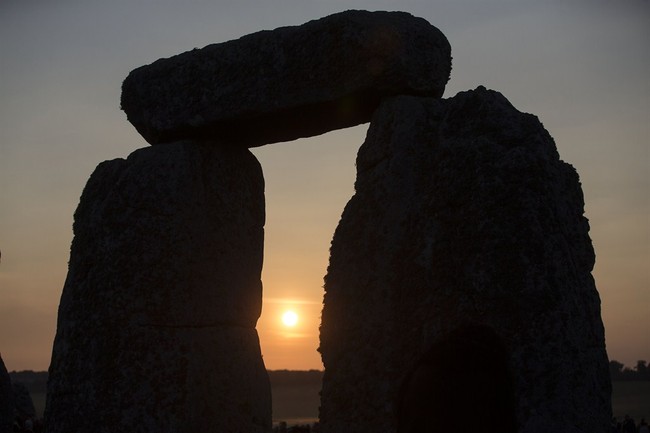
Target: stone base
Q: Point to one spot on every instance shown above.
(168, 380)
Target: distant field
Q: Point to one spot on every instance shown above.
(39, 402)
(293, 403)
(296, 395)
(298, 402)
(631, 398)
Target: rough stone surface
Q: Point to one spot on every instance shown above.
(23, 401)
(288, 83)
(6, 400)
(464, 218)
(156, 327)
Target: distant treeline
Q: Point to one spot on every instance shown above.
(620, 372)
(293, 378)
(36, 381)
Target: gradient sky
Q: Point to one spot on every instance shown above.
(582, 67)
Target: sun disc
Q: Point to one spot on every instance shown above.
(289, 318)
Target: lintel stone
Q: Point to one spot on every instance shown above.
(288, 83)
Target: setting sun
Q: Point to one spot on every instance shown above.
(290, 318)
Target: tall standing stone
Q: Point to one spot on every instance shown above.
(459, 290)
(290, 82)
(23, 401)
(6, 400)
(156, 327)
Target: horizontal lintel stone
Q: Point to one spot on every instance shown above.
(288, 83)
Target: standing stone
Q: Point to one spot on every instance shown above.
(23, 401)
(6, 400)
(291, 82)
(156, 327)
(459, 291)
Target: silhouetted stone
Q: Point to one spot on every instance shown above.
(23, 401)
(288, 83)
(6, 400)
(156, 327)
(464, 253)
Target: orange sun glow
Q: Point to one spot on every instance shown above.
(289, 318)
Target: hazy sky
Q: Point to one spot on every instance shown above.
(582, 67)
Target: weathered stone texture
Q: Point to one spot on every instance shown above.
(23, 402)
(6, 400)
(288, 83)
(156, 327)
(463, 216)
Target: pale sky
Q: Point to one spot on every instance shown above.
(583, 67)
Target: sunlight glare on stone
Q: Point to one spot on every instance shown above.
(289, 318)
